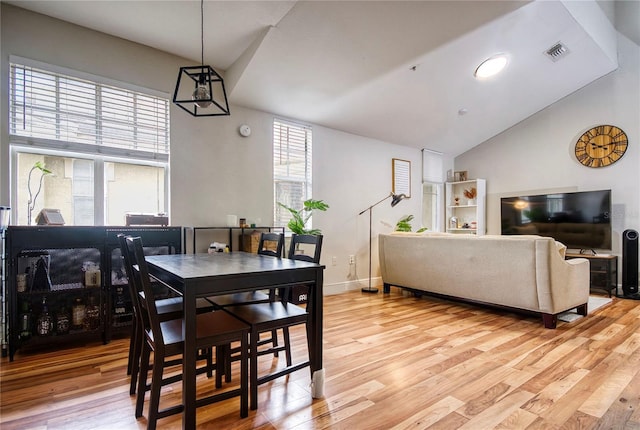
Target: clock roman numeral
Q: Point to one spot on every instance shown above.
(621, 133)
(582, 157)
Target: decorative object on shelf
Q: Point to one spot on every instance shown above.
(209, 98)
(395, 199)
(41, 280)
(21, 282)
(92, 315)
(31, 203)
(471, 194)
(298, 223)
(25, 321)
(601, 146)
(456, 200)
(63, 321)
(401, 177)
(44, 324)
(5, 217)
(460, 176)
(92, 276)
(453, 222)
(78, 312)
(49, 217)
(232, 220)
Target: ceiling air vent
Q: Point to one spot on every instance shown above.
(557, 52)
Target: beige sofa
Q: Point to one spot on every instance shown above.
(526, 273)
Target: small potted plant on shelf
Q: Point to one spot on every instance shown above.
(471, 195)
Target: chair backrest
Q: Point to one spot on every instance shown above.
(269, 241)
(141, 274)
(305, 239)
(134, 288)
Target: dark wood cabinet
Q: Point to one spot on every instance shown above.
(67, 283)
(603, 271)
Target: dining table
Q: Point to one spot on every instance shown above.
(204, 275)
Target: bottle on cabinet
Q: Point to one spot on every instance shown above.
(78, 312)
(25, 321)
(44, 326)
(92, 315)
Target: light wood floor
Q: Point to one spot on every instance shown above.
(391, 362)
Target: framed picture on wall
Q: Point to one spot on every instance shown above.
(401, 177)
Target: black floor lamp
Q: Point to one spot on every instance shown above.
(396, 198)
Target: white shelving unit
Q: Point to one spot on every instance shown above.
(467, 212)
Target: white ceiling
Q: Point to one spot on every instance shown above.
(348, 64)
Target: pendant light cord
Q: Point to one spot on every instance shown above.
(202, 32)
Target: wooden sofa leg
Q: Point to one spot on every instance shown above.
(582, 310)
(386, 288)
(549, 320)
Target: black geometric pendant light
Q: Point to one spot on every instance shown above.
(200, 89)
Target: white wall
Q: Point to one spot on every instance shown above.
(538, 153)
(215, 171)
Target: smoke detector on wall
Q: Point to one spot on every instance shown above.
(557, 52)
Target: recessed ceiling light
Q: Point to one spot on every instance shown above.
(491, 66)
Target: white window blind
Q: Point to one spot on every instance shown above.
(292, 153)
(432, 166)
(73, 113)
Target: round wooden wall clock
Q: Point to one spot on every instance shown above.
(601, 146)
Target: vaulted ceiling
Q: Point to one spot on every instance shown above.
(397, 71)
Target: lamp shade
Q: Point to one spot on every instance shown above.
(200, 91)
(397, 198)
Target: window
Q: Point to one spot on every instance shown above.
(100, 140)
(291, 168)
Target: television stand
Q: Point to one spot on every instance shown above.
(603, 271)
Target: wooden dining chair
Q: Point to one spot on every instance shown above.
(303, 247)
(167, 308)
(270, 244)
(271, 317)
(165, 339)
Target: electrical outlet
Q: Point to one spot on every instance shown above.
(352, 259)
(334, 261)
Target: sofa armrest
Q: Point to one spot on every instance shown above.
(568, 284)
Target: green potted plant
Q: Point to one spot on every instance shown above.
(404, 224)
(298, 222)
(31, 203)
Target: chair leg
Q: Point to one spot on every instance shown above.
(274, 340)
(287, 344)
(209, 355)
(221, 363)
(134, 355)
(253, 369)
(244, 379)
(156, 384)
(132, 342)
(142, 380)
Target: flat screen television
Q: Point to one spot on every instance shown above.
(579, 220)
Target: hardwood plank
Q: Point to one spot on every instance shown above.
(391, 361)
